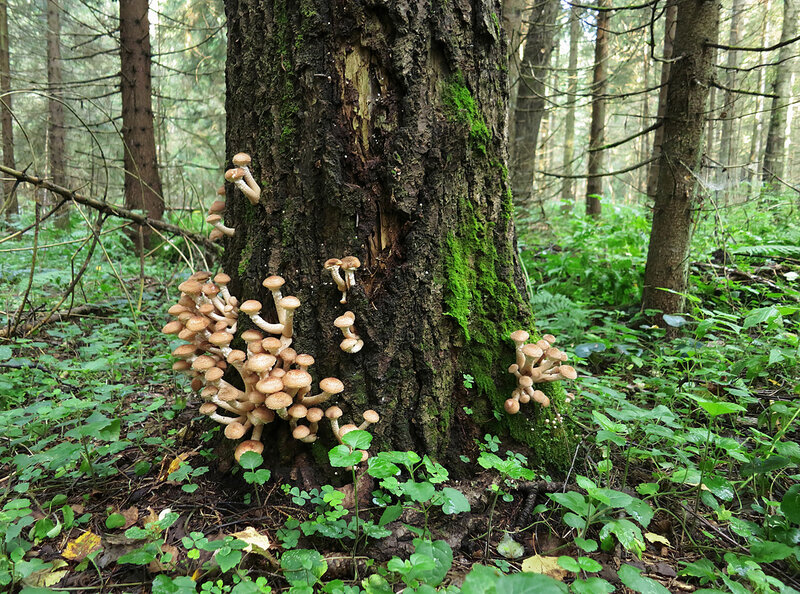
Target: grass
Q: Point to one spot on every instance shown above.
(686, 475)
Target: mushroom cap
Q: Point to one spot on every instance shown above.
(270, 385)
(333, 412)
(513, 368)
(250, 445)
(289, 302)
(524, 398)
(210, 290)
(274, 282)
(206, 308)
(288, 355)
(228, 394)
(190, 287)
(519, 336)
(221, 191)
(370, 416)
(304, 360)
(298, 411)
(261, 415)
(331, 385)
(541, 398)
(216, 234)
(220, 338)
(176, 309)
(350, 262)
(567, 372)
(235, 430)
(196, 383)
(201, 276)
(184, 351)
(512, 406)
(271, 344)
(525, 381)
(250, 307)
(252, 335)
(532, 351)
(213, 218)
(345, 429)
(236, 356)
(214, 374)
(549, 338)
(349, 314)
(217, 207)
(172, 327)
(241, 159)
(344, 321)
(332, 263)
(181, 365)
(208, 408)
(277, 372)
(301, 432)
(315, 415)
(296, 378)
(256, 397)
(197, 323)
(278, 400)
(234, 175)
(348, 344)
(260, 362)
(222, 279)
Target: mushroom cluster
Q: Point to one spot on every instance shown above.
(275, 381)
(348, 265)
(346, 323)
(241, 177)
(536, 363)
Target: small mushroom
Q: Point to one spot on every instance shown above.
(236, 177)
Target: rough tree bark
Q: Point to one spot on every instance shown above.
(567, 183)
(56, 132)
(530, 105)
(671, 233)
(8, 205)
(142, 182)
(774, 150)
(669, 40)
(376, 129)
(594, 185)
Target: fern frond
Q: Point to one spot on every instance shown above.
(786, 251)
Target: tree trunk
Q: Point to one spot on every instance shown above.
(658, 138)
(776, 135)
(513, 11)
(56, 131)
(644, 145)
(594, 185)
(531, 100)
(757, 132)
(379, 131)
(727, 146)
(567, 183)
(142, 182)
(671, 233)
(8, 205)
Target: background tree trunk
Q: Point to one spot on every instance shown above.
(513, 12)
(142, 182)
(670, 236)
(531, 99)
(774, 157)
(594, 185)
(8, 205)
(567, 184)
(379, 132)
(56, 132)
(658, 138)
(727, 142)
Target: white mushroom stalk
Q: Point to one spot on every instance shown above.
(242, 161)
(236, 177)
(277, 380)
(537, 362)
(216, 221)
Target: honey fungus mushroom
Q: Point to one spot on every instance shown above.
(275, 382)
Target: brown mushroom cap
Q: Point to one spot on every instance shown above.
(206, 308)
(301, 432)
(234, 175)
(201, 276)
(289, 302)
(228, 394)
(250, 307)
(271, 344)
(184, 351)
(197, 323)
(262, 415)
(370, 416)
(345, 429)
(190, 287)
(220, 338)
(532, 351)
(297, 378)
(260, 362)
(270, 385)
(176, 309)
(252, 335)
(235, 430)
(304, 360)
(249, 445)
(204, 363)
(222, 278)
(331, 385)
(181, 365)
(567, 372)
(519, 336)
(348, 344)
(343, 321)
(274, 282)
(298, 411)
(332, 263)
(208, 408)
(217, 207)
(278, 400)
(512, 406)
(333, 412)
(314, 415)
(241, 159)
(525, 381)
(214, 374)
(350, 262)
(236, 356)
(172, 327)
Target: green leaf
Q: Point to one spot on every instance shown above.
(631, 577)
(453, 501)
(592, 585)
(527, 583)
(759, 466)
(228, 558)
(420, 492)
(303, 567)
(674, 321)
(115, 521)
(179, 585)
(586, 545)
(627, 533)
(716, 408)
(251, 460)
(588, 564)
(640, 511)
(572, 501)
(142, 556)
(358, 440)
(769, 551)
(510, 548)
(569, 564)
(759, 316)
(341, 456)
(481, 580)
(442, 555)
(380, 468)
(702, 569)
(390, 514)
(790, 505)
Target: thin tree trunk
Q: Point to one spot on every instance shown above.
(531, 100)
(513, 11)
(9, 204)
(757, 134)
(56, 132)
(774, 151)
(567, 184)
(644, 144)
(594, 185)
(666, 271)
(379, 132)
(142, 182)
(710, 115)
(658, 139)
(727, 146)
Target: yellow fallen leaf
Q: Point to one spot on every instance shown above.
(256, 542)
(544, 565)
(50, 576)
(657, 538)
(175, 464)
(78, 549)
(197, 573)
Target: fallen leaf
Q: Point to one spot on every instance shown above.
(78, 549)
(544, 565)
(152, 516)
(175, 465)
(652, 537)
(49, 576)
(131, 515)
(256, 542)
(156, 566)
(510, 548)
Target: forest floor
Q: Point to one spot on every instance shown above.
(684, 476)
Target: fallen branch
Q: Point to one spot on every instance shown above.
(59, 316)
(110, 209)
(727, 272)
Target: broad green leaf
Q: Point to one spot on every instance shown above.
(572, 501)
(251, 460)
(716, 408)
(303, 567)
(453, 501)
(769, 551)
(380, 468)
(442, 555)
(631, 577)
(341, 457)
(420, 492)
(390, 514)
(592, 585)
(790, 505)
(358, 440)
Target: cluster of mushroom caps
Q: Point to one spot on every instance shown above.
(536, 363)
(241, 177)
(275, 378)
